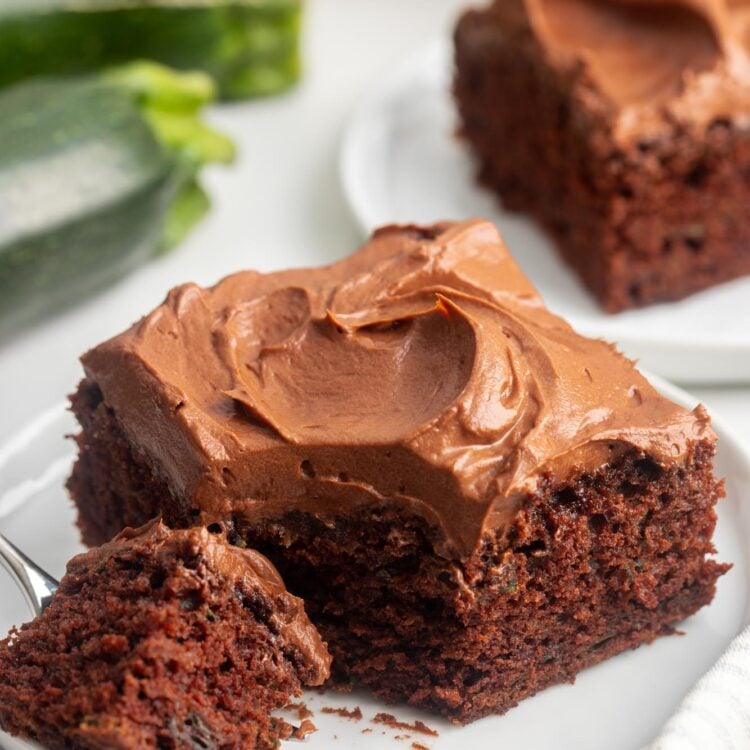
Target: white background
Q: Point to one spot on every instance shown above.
(281, 205)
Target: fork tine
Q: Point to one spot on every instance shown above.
(37, 586)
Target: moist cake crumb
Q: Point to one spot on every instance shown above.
(391, 721)
(355, 713)
(160, 638)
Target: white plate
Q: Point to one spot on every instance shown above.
(401, 162)
(620, 704)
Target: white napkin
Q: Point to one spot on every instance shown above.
(715, 715)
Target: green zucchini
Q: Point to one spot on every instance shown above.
(97, 174)
(249, 47)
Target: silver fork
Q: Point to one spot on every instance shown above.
(37, 587)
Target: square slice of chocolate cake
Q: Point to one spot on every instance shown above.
(623, 127)
(168, 640)
(474, 501)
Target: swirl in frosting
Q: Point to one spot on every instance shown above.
(422, 371)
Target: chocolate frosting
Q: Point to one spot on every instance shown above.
(422, 372)
(245, 570)
(656, 62)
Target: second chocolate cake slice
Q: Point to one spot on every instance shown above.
(621, 126)
(474, 501)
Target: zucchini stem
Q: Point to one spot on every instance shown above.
(171, 103)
